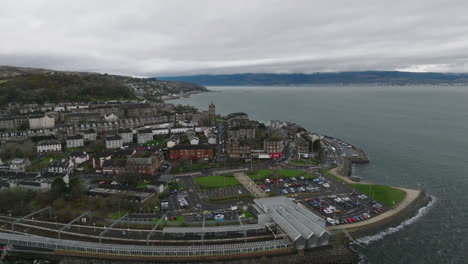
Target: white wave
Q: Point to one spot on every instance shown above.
(421, 212)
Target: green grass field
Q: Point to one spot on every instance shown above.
(283, 173)
(217, 181)
(382, 193)
(329, 174)
(143, 185)
(116, 215)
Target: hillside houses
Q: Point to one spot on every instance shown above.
(144, 135)
(41, 121)
(89, 135)
(19, 164)
(51, 145)
(114, 141)
(75, 141)
(126, 134)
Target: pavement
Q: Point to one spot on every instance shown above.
(250, 185)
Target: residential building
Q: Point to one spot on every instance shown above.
(140, 110)
(49, 146)
(191, 152)
(126, 134)
(38, 121)
(273, 145)
(7, 123)
(97, 160)
(61, 166)
(114, 141)
(90, 135)
(19, 164)
(13, 122)
(144, 135)
(114, 167)
(35, 181)
(144, 163)
(75, 141)
(79, 157)
(81, 117)
(240, 133)
(302, 146)
(238, 151)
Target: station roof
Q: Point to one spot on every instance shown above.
(292, 218)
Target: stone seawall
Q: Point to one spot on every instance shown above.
(409, 211)
(346, 166)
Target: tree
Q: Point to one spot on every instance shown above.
(58, 188)
(76, 188)
(26, 149)
(317, 148)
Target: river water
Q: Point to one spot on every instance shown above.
(415, 136)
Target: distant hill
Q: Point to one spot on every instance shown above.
(361, 77)
(32, 85)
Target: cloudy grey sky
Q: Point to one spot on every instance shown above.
(164, 38)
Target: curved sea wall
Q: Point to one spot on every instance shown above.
(395, 220)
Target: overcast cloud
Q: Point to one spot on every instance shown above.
(163, 38)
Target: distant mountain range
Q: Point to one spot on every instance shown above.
(360, 77)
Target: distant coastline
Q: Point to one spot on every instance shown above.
(393, 78)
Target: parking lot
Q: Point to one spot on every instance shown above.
(343, 209)
(334, 200)
(290, 186)
(231, 191)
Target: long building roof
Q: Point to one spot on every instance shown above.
(292, 218)
(212, 229)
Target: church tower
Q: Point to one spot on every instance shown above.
(212, 114)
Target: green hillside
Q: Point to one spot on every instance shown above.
(57, 87)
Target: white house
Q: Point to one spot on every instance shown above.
(79, 157)
(19, 164)
(179, 130)
(41, 121)
(114, 141)
(144, 135)
(90, 135)
(61, 166)
(160, 131)
(49, 145)
(59, 108)
(75, 141)
(126, 134)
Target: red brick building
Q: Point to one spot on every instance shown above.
(147, 164)
(191, 152)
